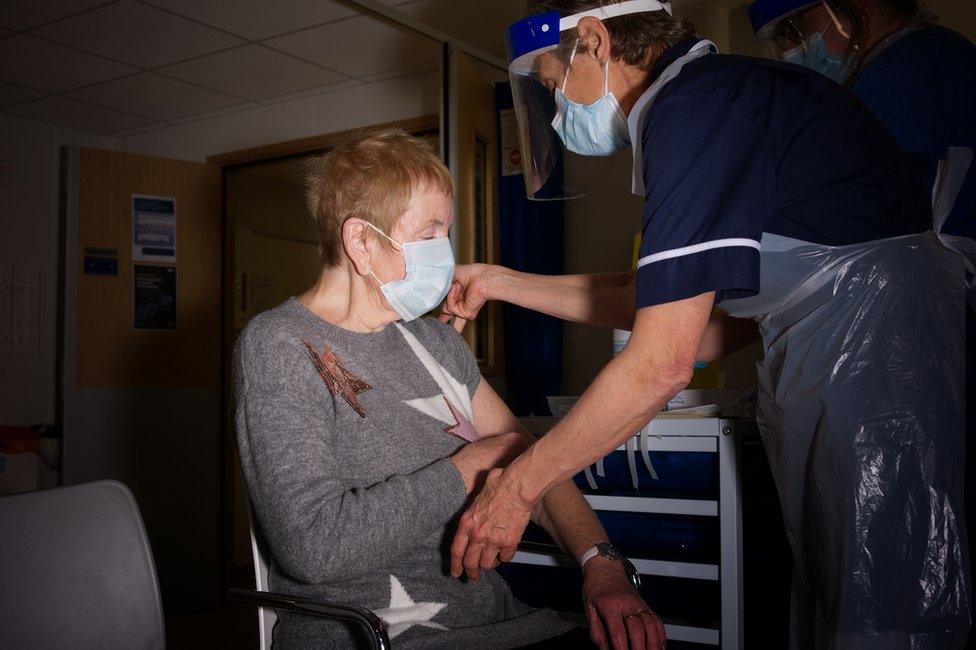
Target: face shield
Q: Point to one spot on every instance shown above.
(539, 64)
(784, 35)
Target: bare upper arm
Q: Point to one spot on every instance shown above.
(492, 416)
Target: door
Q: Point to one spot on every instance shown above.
(477, 196)
(141, 355)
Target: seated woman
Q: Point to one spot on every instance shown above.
(363, 429)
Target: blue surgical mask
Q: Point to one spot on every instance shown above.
(430, 271)
(597, 129)
(813, 54)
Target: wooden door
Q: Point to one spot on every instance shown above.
(141, 391)
(477, 190)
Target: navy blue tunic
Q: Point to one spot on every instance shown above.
(734, 147)
(923, 88)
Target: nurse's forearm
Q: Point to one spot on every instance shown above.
(623, 398)
(604, 300)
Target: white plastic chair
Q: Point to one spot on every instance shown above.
(268, 602)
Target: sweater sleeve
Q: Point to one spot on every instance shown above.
(319, 529)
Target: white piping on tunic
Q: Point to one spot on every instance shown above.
(698, 248)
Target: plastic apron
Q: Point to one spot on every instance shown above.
(861, 411)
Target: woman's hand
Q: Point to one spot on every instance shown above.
(618, 617)
(491, 527)
(468, 294)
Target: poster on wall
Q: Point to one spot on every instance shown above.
(155, 297)
(153, 228)
(511, 155)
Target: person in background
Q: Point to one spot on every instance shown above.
(363, 428)
(919, 78)
(774, 194)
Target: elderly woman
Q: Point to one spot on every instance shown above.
(363, 429)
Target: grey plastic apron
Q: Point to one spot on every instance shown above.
(861, 410)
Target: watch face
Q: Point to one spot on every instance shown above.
(608, 551)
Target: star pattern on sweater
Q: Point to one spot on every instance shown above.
(337, 379)
(403, 613)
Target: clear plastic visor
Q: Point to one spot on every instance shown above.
(551, 171)
(793, 31)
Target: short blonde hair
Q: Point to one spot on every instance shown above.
(370, 176)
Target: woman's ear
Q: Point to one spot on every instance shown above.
(593, 35)
(355, 235)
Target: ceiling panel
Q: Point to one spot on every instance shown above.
(320, 90)
(137, 34)
(22, 14)
(260, 19)
(10, 94)
(359, 46)
(252, 72)
(482, 24)
(155, 96)
(29, 61)
(77, 115)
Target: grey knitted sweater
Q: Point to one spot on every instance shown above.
(360, 508)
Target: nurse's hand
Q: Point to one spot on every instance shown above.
(618, 617)
(469, 292)
(491, 527)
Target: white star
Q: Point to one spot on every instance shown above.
(451, 388)
(403, 613)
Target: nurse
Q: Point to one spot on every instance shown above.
(773, 193)
(920, 80)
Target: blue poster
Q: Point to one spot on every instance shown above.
(153, 228)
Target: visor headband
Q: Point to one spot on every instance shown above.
(614, 10)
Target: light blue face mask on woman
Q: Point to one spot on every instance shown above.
(597, 129)
(430, 271)
(813, 54)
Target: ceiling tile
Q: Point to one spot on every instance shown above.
(137, 34)
(29, 61)
(22, 14)
(196, 117)
(77, 115)
(311, 92)
(10, 94)
(482, 24)
(259, 19)
(252, 72)
(402, 72)
(154, 96)
(340, 46)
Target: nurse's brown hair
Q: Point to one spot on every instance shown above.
(636, 39)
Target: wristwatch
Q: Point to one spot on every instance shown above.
(610, 552)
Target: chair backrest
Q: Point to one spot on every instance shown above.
(76, 571)
(266, 616)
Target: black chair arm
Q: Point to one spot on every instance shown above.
(338, 611)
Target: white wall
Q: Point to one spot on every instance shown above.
(29, 230)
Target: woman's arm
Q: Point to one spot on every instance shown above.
(656, 364)
(611, 601)
(605, 300)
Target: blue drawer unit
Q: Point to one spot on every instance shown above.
(671, 501)
(679, 474)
